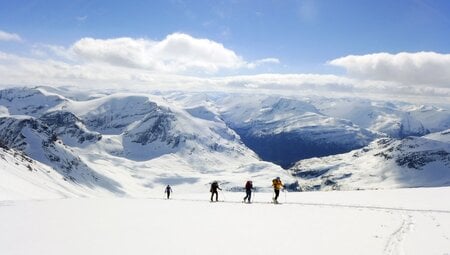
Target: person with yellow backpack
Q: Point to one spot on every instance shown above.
(277, 186)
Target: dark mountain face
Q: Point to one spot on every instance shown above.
(11, 131)
(285, 149)
(67, 124)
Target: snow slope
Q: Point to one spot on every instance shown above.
(410, 221)
(25, 178)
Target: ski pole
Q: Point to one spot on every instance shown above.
(285, 191)
(223, 194)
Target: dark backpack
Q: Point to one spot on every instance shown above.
(214, 186)
(248, 185)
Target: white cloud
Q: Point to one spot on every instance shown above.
(53, 52)
(263, 62)
(176, 53)
(421, 68)
(5, 36)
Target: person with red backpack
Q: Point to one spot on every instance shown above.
(248, 191)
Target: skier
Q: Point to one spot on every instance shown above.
(168, 191)
(213, 190)
(277, 186)
(248, 191)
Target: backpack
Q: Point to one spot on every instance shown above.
(248, 185)
(214, 186)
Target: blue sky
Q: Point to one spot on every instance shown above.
(302, 34)
(398, 45)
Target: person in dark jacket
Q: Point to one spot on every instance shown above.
(248, 191)
(213, 190)
(168, 191)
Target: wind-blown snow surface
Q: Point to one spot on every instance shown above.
(409, 221)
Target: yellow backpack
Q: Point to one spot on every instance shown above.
(275, 183)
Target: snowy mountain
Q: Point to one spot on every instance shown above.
(31, 102)
(279, 129)
(127, 143)
(31, 138)
(397, 120)
(385, 163)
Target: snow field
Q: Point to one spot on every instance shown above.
(364, 222)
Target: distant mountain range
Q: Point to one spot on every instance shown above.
(87, 144)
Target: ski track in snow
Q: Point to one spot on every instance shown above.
(394, 243)
(437, 224)
(6, 203)
(372, 207)
(383, 228)
(382, 208)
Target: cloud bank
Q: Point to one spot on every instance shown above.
(421, 68)
(182, 62)
(16, 70)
